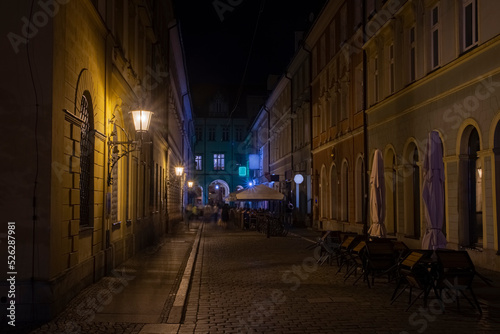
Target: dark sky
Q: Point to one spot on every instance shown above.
(218, 42)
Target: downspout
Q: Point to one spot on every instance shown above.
(365, 126)
(311, 173)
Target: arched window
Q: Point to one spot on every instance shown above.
(345, 191)
(334, 192)
(475, 190)
(324, 193)
(359, 186)
(412, 192)
(416, 194)
(86, 160)
(390, 192)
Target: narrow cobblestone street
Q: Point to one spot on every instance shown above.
(247, 283)
(243, 282)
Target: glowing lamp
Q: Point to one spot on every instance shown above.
(142, 119)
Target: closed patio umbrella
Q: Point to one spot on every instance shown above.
(433, 194)
(377, 197)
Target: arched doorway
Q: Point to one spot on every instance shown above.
(324, 194)
(390, 192)
(334, 198)
(217, 190)
(470, 190)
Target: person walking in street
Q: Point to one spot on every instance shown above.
(224, 215)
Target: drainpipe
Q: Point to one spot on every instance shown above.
(365, 127)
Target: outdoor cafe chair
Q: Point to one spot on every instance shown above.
(380, 260)
(357, 261)
(456, 273)
(415, 272)
(343, 253)
(329, 243)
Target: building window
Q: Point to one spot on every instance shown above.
(322, 52)
(345, 192)
(391, 69)
(211, 134)
(86, 160)
(218, 161)
(359, 184)
(239, 134)
(435, 37)
(360, 94)
(199, 133)
(343, 23)
(375, 79)
(416, 194)
(198, 162)
(334, 192)
(412, 54)
(225, 133)
(469, 24)
(332, 39)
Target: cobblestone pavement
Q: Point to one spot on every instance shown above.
(247, 283)
(244, 282)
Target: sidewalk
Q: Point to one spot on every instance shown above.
(142, 290)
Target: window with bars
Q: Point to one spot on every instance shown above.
(218, 161)
(86, 160)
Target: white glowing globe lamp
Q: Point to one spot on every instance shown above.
(298, 178)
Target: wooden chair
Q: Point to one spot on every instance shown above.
(356, 261)
(380, 260)
(414, 273)
(345, 249)
(456, 273)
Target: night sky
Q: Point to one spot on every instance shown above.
(218, 41)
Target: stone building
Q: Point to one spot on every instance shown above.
(434, 66)
(221, 155)
(84, 189)
(337, 117)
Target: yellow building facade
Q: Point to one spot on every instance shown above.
(85, 189)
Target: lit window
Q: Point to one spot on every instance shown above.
(198, 162)
(218, 161)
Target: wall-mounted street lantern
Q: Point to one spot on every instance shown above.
(190, 184)
(179, 170)
(142, 120)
